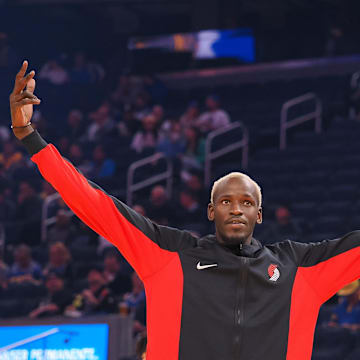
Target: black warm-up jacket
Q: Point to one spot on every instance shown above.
(204, 301)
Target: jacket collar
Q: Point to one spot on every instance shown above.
(244, 250)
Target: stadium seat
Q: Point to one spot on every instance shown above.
(332, 343)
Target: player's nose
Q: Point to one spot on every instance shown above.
(236, 209)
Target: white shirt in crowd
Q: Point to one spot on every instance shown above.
(212, 120)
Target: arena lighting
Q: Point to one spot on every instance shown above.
(205, 44)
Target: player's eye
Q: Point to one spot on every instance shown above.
(225, 201)
(248, 202)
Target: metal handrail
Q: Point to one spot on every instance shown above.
(167, 175)
(45, 221)
(241, 144)
(354, 80)
(287, 124)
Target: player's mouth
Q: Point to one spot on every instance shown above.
(236, 222)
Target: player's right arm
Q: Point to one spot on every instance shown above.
(147, 247)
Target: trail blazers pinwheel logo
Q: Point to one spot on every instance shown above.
(273, 272)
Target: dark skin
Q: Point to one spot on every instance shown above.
(22, 100)
(234, 200)
(235, 211)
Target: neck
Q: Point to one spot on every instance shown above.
(229, 243)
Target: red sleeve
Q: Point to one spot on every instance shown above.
(329, 265)
(146, 246)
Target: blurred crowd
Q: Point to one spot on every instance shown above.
(103, 126)
(65, 268)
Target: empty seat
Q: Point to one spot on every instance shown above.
(334, 343)
(329, 224)
(355, 354)
(344, 192)
(304, 209)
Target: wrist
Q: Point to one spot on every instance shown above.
(20, 133)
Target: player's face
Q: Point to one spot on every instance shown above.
(235, 211)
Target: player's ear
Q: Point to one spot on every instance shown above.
(210, 211)
(259, 216)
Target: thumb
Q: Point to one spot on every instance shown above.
(31, 86)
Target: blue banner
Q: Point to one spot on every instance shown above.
(54, 342)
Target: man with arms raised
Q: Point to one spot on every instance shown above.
(221, 297)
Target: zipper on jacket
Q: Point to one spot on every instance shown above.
(240, 306)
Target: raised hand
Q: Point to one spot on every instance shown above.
(22, 99)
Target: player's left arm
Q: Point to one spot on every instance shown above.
(329, 265)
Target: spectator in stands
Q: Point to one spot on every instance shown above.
(7, 210)
(188, 209)
(10, 157)
(190, 116)
(336, 42)
(195, 183)
(159, 208)
(57, 299)
(126, 92)
(4, 134)
(24, 269)
(4, 270)
(284, 228)
(96, 70)
(147, 137)
(141, 107)
(40, 123)
(136, 296)
(63, 144)
(128, 125)
(53, 72)
(172, 144)
(77, 157)
(194, 155)
(139, 209)
(164, 124)
(60, 263)
(141, 346)
(46, 189)
(101, 165)
(97, 298)
(63, 230)
(347, 313)
(80, 72)
(118, 282)
(28, 213)
(75, 125)
(84, 236)
(214, 118)
(102, 124)
(156, 88)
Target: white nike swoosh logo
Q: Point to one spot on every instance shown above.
(200, 267)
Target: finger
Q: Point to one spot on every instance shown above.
(24, 95)
(19, 77)
(20, 85)
(22, 70)
(21, 81)
(30, 87)
(28, 102)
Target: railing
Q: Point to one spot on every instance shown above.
(166, 175)
(45, 221)
(354, 82)
(212, 155)
(286, 124)
(354, 85)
